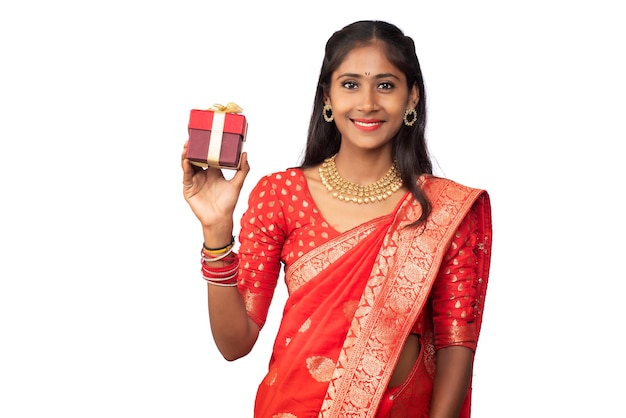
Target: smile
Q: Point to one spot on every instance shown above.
(367, 125)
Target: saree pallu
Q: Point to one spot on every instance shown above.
(398, 289)
(322, 303)
(353, 299)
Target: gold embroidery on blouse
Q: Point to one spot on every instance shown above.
(305, 327)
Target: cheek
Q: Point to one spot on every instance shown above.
(395, 106)
(401, 106)
(402, 110)
(340, 111)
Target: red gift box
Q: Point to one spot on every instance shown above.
(216, 138)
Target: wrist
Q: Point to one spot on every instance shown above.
(218, 236)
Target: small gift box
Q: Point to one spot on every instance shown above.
(216, 136)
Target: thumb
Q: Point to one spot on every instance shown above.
(242, 172)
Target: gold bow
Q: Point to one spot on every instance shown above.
(229, 108)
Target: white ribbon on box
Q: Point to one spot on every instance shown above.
(217, 130)
(215, 141)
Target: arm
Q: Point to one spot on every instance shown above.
(452, 378)
(454, 315)
(233, 331)
(212, 199)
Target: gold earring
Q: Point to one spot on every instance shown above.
(410, 116)
(328, 113)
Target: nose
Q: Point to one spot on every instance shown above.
(369, 101)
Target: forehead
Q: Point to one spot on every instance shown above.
(367, 58)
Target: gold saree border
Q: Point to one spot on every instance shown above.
(320, 258)
(401, 281)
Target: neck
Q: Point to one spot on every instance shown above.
(363, 169)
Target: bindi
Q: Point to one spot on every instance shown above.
(367, 73)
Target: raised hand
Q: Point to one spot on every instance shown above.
(210, 195)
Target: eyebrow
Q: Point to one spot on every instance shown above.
(377, 76)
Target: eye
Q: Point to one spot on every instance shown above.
(386, 86)
(350, 85)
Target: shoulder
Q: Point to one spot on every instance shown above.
(286, 177)
(433, 185)
(444, 193)
(452, 202)
(281, 183)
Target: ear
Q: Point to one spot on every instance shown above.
(326, 94)
(414, 96)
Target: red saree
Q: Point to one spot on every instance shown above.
(354, 297)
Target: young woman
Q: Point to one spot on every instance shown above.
(386, 265)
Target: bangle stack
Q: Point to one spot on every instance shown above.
(225, 275)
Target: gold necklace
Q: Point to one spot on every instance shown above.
(356, 193)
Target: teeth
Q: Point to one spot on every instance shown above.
(367, 123)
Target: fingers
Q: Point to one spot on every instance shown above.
(185, 147)
(188, 170)
(183, 157)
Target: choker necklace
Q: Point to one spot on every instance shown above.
(356, 193)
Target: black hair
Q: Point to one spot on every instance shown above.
(409, 144)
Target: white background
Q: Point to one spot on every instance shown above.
(102, 307)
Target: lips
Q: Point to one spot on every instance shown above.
(367, 124)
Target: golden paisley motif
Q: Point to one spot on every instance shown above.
(321, 368)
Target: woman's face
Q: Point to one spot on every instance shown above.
(369, 96)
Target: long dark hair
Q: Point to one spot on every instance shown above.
(409, 145)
